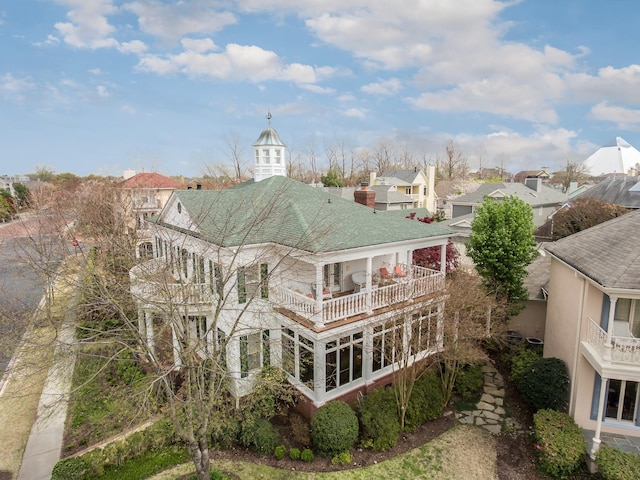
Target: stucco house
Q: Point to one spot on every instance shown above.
(288, 275)
(593, 323)
(416, 183)
(142, 196)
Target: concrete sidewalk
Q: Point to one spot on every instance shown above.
(45, 440)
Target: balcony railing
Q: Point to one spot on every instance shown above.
(151, 284)
(623, 349)
(419, 281)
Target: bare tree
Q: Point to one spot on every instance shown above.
(574, 172)
(471, 317)
(454, 165)
(235, 154)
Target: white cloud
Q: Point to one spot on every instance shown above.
(612, 84)
(128, 109)
(236, 62)
(136, 47)
(15, 89)
(355, 112)
(624, 118)
(176, 19)
(102, 91)
(199, 45)
(384, 87)
(95, 71)
(88, 26)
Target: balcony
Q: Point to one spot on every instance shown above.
(624, 350)
(152, 284)
(419, 281)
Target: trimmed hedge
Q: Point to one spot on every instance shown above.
(426, 402)
(614, 464)
(334, 428)
(262, 437)
(521, 362)
(560, 445)
(469, 381)
(378, 414)
(545, 384)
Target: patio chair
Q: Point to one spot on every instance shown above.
(385, 274)
(398, 271)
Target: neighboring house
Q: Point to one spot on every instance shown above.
(593, 323)
(389, 198)
(530, 322)
(7, 182)
(543, 200)
(144, 195)
(522, 176)
(618, 190)
(417, 184)
(618, 157)
(292, 276)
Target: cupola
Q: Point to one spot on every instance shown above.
(269, 154)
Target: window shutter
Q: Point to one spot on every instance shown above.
(242, 285)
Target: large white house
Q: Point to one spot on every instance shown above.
(284, 274)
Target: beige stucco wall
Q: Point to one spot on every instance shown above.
(531, 321)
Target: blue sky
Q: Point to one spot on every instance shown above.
(99, 86)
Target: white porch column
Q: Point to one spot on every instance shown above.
(596, 435)
(319, 371)
(369, 288)
(607, 344)
(443, 258)
(319, 316)
(148, 320)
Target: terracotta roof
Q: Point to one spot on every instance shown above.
(607, 253)
(149, 180)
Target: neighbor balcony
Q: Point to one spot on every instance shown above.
(622, 351)
(333, 307)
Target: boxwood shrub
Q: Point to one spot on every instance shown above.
(334, 428)
(560, 445)
(614, 464)
(545, 384)
(379, 420)
(469, 381)
(426, 401)
(521, 362)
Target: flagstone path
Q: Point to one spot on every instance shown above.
(490, 412)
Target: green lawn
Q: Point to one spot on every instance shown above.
(465, 452)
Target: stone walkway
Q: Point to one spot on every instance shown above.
(489, 412)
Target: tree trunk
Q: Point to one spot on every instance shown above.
(199, 452)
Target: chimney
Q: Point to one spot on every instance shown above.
(364, 196)
(534, 183)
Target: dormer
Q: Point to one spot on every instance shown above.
(269, 154)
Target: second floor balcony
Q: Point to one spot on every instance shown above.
(152, 284)
(333, 307)
(622, 350)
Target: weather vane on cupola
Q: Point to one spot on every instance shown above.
(269, 117)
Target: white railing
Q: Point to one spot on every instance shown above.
(419, 281)
(150, 284)
(623, 349)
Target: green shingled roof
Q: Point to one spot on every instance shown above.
(287, 212)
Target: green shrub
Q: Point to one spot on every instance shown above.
(334, 428)
(426, 401)
(469, 381)
(294, 453)
(343, 458)
(521, 362)
(560, 445)
(614, 464)
(74, 468)
(280, 452)
(378, 414)
(306, 455)
(214, 475)
(262, 437)
(545, 384)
